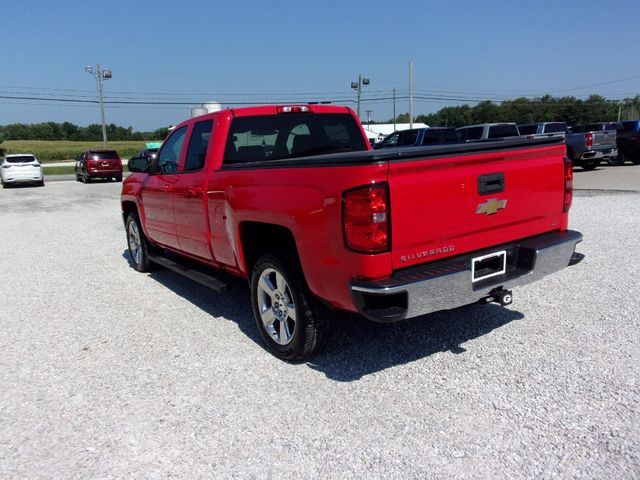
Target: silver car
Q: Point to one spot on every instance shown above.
(21, 168)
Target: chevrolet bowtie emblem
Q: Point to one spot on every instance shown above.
(491, 206)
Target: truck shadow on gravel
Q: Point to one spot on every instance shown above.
(357, 347)
(360, 347)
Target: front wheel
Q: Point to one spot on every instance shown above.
(138, 244)
(292, 323)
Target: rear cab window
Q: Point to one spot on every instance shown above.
(408, 137)
(501, 131)
(528, 129)
(283, 136)
(439, 136)
(554, 128)
(472, 133)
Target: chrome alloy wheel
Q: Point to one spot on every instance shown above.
(277, 307)
(135, 245)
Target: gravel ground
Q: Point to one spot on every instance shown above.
(109, 373)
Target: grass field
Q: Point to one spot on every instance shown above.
(61, 150)
(68, 170)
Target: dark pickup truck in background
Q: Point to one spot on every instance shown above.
(589, 144)
(628, 141)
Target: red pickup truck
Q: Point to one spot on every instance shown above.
(293, 199)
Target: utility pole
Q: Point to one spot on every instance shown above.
(619, 110)
(368, 118)
(357, 86)
(410, 94)
(394, 109)
(100, 75)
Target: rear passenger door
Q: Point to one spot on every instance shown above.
(189, 193)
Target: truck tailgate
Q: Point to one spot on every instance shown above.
(449, 205)
(604, 140)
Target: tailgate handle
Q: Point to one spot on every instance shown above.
(492, 183)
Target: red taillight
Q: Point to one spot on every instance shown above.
(294, 109)
(589, 140)
(568, 185)
(366, 219)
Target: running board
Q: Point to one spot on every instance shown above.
(202, 278)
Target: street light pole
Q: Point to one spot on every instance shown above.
(357, 86)
(100, 75)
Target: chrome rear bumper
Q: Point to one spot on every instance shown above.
(447, 284)
(599, 154)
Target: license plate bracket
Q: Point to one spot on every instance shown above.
(487, 266)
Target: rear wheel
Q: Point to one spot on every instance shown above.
(292, 323)
(636, 159)
(41, 183)
(138, 244)
(118, 178)
(589, 164)
(617, 161)
(85, 177)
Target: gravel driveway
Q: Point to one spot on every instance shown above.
(106, 372)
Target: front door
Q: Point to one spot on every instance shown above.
(157, 192)
(189, 196)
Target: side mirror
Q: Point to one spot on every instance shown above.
(138, 164)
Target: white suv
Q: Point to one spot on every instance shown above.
(21, 168)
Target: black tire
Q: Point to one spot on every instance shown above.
(139, 254)
(118, 178)
(636, 159)
(589, 164)
(310, 320)
(618, 160)
(77, 176)
(41, 183)
(85, 178)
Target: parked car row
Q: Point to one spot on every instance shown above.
(25, 168)
(587, 145)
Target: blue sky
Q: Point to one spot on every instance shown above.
(252, 51)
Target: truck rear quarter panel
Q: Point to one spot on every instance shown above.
(308, 202)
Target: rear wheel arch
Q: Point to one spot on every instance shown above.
(258, 239)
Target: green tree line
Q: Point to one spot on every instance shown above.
(572, 110)
(70, 131)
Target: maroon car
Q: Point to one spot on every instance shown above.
(99, 164)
